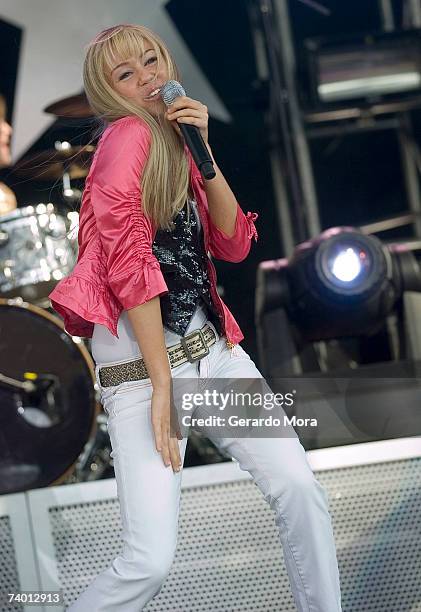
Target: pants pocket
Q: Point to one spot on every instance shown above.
(132, 385)
(110, 394)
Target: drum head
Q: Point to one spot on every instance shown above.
(42, 432)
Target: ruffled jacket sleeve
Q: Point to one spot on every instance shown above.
(126, 234)
(233, 248)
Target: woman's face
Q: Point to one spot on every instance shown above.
(5, 134)
(138, 80)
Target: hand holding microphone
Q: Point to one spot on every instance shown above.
(192, 119)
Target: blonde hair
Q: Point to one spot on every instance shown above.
(165, 179)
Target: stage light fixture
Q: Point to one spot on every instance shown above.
(349, 263)
(362, 68)
(343, 283)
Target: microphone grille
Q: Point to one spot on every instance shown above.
(170, 91)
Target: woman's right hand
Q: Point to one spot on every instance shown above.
(163, 409)
(146, 321)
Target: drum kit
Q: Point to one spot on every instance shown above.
(53, 428)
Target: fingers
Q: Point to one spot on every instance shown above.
(167, 446)
(174, 454)
(194, 114)
(197, 121)
(165, 443)
(170, 451)
(186, 110)
(186, 102)
(188, 115)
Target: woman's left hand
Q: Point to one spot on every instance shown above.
(187, 110)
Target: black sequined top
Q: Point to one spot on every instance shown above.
(183, 261)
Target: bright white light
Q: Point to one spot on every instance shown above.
(355, 88)
(41, 209)
(43, 219)
(346, 265)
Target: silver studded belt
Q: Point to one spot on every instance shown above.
(192, 347)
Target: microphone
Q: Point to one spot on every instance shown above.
(191, 134)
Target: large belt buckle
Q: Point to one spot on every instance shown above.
(201, 351)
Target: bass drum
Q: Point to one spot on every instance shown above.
(44, 429)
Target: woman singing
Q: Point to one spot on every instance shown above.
(144, 289)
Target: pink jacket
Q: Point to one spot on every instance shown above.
(116, 268)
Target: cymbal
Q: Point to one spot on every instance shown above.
(73, 106)
(52, 164)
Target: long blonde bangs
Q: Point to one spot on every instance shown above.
(165, 178)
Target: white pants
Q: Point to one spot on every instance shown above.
(149, 492)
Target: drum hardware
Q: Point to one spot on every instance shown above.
(51, 164)
(59, 404)
(38, 390)
(44, 303)
(38, 247)
(70, 194)
(26, 385)
(96, 457)
(45, 425)
(4, 237)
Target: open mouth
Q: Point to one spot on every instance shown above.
(154, 94)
